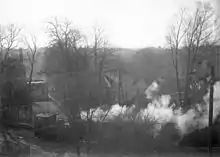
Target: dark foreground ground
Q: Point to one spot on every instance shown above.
(67, 154)
(49, 149)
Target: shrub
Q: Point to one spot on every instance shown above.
(130, 136)
(168, 136)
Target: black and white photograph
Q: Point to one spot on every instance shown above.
(109, 78)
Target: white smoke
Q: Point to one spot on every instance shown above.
(192, 119)
(158, 110)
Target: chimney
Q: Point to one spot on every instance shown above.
(21, 55)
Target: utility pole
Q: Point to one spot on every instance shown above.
(119, 86)
(211, 109)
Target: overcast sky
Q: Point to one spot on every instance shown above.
(128, 23)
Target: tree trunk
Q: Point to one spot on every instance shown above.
(30, 76)
(119, 87)
(185, 103)
(177, 77)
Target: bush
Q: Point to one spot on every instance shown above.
(199, 137)
(130, 136)
(168, 136)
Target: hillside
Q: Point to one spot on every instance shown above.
(141, 68)
(150, 64)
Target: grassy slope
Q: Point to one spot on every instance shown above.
(150, 64)
(145, 65)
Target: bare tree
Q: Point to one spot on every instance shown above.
(9, 38)
(192, 33)
(101, 51)
(31, 44)
(200, 33)
(2, 38)
(9, 35)
(67, 38)
(174, 40)
(64, 34)
(98, 43)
